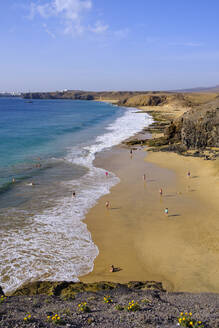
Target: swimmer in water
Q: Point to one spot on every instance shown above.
(30, 184)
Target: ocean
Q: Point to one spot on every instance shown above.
(47, 149)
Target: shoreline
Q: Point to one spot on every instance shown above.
(136, 237)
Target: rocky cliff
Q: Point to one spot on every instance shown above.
(197, 128)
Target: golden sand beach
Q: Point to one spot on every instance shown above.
(181, 250)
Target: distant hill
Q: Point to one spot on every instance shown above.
(214, 89)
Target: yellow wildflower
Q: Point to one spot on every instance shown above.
(191, 323)
(190, 313)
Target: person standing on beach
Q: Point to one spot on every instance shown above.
(161, 191)
(107, 204)
(166, 211)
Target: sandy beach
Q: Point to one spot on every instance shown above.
(134, 235)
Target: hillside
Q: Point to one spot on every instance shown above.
(107, 305)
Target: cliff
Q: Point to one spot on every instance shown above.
(197, 128)
(82, 95)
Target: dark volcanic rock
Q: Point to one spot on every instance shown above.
(69, 289)
(1, 292)
(197, 128)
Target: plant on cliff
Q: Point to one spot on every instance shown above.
(119, 307)
(56, 319)
(186, 320)
(107, 299)
(3, 298)
(27, 318)
(83, 307)
(133, 306)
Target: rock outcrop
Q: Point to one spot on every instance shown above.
(1, 292)
(197, 128)
(69, 289)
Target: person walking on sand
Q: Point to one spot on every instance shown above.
(166, 211)
(107, 204)
(161, 191)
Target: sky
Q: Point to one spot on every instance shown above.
(49, 45)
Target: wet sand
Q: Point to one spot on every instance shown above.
(134, 235)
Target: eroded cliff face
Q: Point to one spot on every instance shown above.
(197, 128)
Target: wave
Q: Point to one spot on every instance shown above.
(56, 245)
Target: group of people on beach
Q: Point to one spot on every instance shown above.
(166, 210)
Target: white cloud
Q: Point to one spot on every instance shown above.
(99, 28)
(71, 8)
(70, 13)
(186, 44)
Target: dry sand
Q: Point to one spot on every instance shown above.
(180, 250)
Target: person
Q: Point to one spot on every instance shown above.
(130, 151)
(144, 177)
(30, 184)
(107, 204)
(161, 191)
(107, 174)
(73, 194)
(112, 269)
(166, 211)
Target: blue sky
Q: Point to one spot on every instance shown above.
(108, 44)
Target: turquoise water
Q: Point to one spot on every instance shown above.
(46, 128)
(48, 147)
